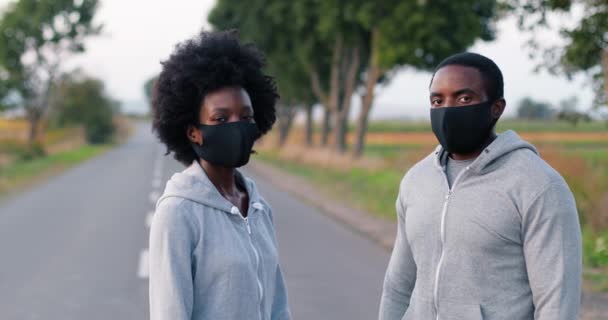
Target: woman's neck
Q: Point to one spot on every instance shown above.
(222, 178)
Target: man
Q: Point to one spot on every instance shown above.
(486, 228)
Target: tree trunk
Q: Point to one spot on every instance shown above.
(309, 125)
(326, 128)
(34, 122)
(362, 122)
(605, 69)
(373, 74)
(351, 64)
(286, 116)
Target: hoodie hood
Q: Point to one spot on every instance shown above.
(193, 184)
(504, 144)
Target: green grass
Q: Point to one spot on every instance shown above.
(374, 191)
(21, 173)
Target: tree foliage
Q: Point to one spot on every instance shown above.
(530, 109)
(332, 50)
(82, 100)
(585, 48)
(37, 36)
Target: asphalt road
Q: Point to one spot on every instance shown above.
(75, 247)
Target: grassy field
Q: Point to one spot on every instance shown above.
(22, 173)
(22, 163)
(580, 154)
(517, 125)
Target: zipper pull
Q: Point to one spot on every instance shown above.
(248, 226)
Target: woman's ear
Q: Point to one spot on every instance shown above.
(195, 135)
(498, 108)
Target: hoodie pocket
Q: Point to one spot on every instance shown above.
(458, 311)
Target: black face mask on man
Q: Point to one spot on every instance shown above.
(227, 145)
(465, 129)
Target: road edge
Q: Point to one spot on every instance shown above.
(380, 231)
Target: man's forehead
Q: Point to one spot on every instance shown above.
(457, 77)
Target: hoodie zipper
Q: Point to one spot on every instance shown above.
(444, 212)
(257, 262)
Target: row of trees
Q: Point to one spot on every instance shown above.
(567, 110)
(36, 38)
(333, 51)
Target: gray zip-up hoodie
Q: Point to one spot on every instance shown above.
(207, 262)
(503, 244)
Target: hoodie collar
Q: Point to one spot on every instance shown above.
(194, 184)
(504, 144)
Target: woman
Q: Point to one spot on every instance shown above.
(213, 251)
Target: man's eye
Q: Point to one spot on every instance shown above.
(247, 118)
(436, 102)
(465, 99)
(220, 119)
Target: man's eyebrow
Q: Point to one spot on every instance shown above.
(465, 90)
(435, 94)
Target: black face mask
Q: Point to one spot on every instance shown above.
(465, 129)
(227, 145)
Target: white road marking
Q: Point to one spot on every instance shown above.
(154, 195)
(149, 217)
(143, 270)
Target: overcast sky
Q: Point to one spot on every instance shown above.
(139, 34)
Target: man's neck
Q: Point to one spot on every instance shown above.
(473, 155)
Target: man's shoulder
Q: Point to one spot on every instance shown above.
(421, 168)
(527, 170)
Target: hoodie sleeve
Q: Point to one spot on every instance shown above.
(401, 272)
(280, 308)
(552, 249)
(280, 302)
(171, 246)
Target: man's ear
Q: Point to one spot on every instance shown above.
(498, 108)
(194, 135)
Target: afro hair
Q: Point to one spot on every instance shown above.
(206, 63)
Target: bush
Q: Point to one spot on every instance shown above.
(82, 100)
(595, 249)
(30, 152)
(98, 132)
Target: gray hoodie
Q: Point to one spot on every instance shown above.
(207, 261)
(503, 244)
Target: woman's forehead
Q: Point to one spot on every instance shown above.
(227, 98)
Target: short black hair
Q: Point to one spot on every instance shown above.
(490, 72)
(206, 63)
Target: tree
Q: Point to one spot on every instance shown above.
(149, 88)
(417, 34)
(347, 47)
(585, 47)
(569, 111)
(266, 24)
(534, 110)
(37, 36)
(82, 100)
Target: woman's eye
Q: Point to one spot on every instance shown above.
(248, 118)
(221, 119)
